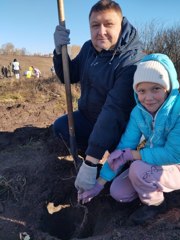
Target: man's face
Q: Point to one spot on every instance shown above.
(105, 29)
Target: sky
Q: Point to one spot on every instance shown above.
(30, 24)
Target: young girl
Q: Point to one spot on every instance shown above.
(155, 168)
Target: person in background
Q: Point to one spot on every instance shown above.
(155, 168)
(36, 72)
(104, 68)
(52, 70)
(9, 67)
(29, 72)
(16, 68)
(4, 72)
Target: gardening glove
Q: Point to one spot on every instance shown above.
(118, 158)
(61, 37)
(86, 177)
(90, 194)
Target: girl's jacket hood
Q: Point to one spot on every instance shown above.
(161, 132)
(169, 66)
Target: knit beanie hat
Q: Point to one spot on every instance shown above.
(151, 71)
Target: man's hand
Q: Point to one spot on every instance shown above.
(61, 37)
(86, 177)
(118, 158)
(88, 195)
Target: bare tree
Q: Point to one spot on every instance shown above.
(168, 43)
(7, 48)
(157, 38)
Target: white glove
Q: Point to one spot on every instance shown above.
(86, 177)
(61, 37)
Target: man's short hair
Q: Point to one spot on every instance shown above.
(104, 5)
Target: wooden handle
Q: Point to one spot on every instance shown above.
(65, 62)
(61, 12)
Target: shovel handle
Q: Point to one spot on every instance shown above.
(60, 4)
(65, 62)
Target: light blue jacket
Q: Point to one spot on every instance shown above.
(162, 133)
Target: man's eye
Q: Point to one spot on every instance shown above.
(109, 24)
(94, 25)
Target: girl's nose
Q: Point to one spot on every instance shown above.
(149, 96)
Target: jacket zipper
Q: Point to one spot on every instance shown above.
(152, 127)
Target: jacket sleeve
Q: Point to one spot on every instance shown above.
(57, 61)
(73, 68)
(167, 154)
(107, 173)
(132, 135)
(74, 65)
(114, 115)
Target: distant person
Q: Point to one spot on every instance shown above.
(4, 72)
(104, 68)
(52, 70)
(155, 168)
(25, 73)
(37, 72)
(31, 69)
(9, 69)
(29, 72)
(16, 68)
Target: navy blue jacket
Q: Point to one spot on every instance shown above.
(106, 80)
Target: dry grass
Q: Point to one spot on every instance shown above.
(36, 91)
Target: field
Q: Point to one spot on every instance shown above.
(42, 63)
(36, 170)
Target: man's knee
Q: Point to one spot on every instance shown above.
(56, 128)
(60, 128)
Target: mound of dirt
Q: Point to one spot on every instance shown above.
(36, 172)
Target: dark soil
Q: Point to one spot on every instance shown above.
(36, 170)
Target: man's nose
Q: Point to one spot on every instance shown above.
(102, 29)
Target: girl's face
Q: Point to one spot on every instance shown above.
(151, 95)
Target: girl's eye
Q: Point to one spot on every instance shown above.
(156, 89)
(140, 91)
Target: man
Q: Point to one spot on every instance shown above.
(105, 68)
